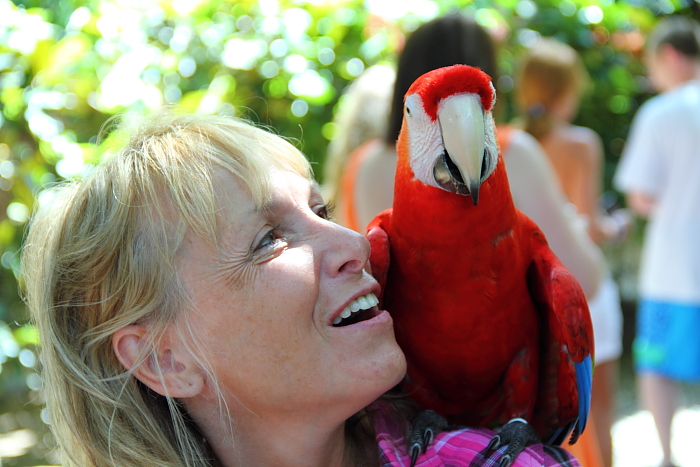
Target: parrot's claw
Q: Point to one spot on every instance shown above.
(415, 452)
(425, 426)
(506, 461)
(517, 434)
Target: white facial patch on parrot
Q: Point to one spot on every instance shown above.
(491, 144)
(424, 140)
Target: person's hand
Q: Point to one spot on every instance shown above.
(620, 224)
(641, 203)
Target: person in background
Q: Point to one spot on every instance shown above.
(660, 174)
(550, 83)
(360, 124)
(197, 307)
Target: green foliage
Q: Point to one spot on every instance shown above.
(67, 66)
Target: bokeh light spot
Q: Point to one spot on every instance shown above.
(279, 48)
(567, 8)
(528, 37)
(591, 15)
(505, 84)
(295, 63)
(619, 104)
(526, 9)
(300, 108)
(33, 380)
(18, 212)
(269, 69)
(326, 56)
(27, 358)
(309, 83)
(355, 66)
(7, 169)
(187, 67)
(329, 129)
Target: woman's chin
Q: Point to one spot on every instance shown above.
(395, 368)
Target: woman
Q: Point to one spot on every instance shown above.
(550, 84)
(196, 307)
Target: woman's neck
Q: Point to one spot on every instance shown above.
(260, 440)
(291, 447)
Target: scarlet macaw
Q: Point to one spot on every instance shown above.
(493, 326)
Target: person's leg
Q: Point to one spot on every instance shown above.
(606, 316)
(659, 395)
(603, 406)
(667, 351)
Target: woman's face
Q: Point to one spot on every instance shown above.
(266, 301)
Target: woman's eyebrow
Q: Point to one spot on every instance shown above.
(315, 191)
(274, 205)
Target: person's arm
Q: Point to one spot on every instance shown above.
(537, 193)
(584, 154)
(641, 203)
(641, 172)
(585, 151)
(588, 154)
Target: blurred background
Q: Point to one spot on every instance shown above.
(66, 66)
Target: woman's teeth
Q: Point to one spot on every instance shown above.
(364, 302)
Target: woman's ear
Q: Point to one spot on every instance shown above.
(168, 370)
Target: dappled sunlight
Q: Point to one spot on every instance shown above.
(636, 444)
(16, 443)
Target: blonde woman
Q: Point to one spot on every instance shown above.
(196, 307)
(552, 78)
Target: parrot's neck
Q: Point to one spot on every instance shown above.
(426, 210)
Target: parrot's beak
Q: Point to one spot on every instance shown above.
(459, 170)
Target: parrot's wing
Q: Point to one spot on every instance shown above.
(380, 251)
(566, 373)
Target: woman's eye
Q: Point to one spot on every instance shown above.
(269, 239)
(323, 211)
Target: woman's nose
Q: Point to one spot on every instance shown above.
(346, 253)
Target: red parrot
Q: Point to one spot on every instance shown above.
(493, 326)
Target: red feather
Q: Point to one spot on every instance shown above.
(438, 84)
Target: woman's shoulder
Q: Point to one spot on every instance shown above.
(467, 447)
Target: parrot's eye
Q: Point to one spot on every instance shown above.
(408, 111)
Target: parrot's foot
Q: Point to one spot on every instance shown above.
(517, 434)
(425, 426)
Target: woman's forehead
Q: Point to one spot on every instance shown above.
(286, 189)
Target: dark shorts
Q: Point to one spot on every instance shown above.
(668, 340)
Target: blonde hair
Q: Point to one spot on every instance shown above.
(101, 254)
(549, 71)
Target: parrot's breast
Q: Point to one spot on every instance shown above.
(463, 312)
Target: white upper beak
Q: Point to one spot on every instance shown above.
(461, 118)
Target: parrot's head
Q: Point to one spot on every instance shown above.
(450, 131)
